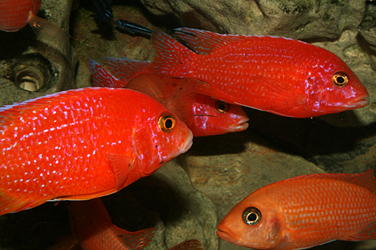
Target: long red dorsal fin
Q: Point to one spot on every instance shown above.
(205, 42)
(365, 179)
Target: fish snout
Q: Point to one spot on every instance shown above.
(240, 126)
(359, 102)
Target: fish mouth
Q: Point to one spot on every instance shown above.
(359, 102)
(225, 233)
(188, 143)
(241, 125)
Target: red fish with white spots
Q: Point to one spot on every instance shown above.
(304, 212)
(274, 74)
(82, 144)
(14, 15)
(203, 115)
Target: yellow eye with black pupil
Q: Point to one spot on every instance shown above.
(340, 79)
(251, 216)
(222, 107)
(167, 123)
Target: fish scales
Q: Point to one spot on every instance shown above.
(81, 144)
(304, 212)
(314, 213)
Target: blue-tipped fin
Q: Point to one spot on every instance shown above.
(133, 28)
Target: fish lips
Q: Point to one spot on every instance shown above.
(240, 126)
(225, 233)
(359, 102)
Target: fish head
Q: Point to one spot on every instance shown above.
(333, 87)
(253, 223)
(160, 138)
(215, 117)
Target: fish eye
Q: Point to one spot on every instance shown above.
(340, 79)
(167, 123)
(222, 107)
(251, 216)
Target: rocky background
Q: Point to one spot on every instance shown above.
(189, 196)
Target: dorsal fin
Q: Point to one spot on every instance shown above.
(365, 179)
(205, 42)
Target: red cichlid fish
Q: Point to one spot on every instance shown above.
(92, 226)
(304, 212)
(274, 74)
(14, 15)
(204, 115)
(82, 144)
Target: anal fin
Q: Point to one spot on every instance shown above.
(10, 203)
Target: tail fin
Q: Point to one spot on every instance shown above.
(188, 245)
(125, 69)
(135, 240)
(102, 78)
(171, 57)
(51, 34)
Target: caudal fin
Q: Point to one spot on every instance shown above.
(188, 245)
(102, 78)
(125, 69)
(136, 240)
(171, 57)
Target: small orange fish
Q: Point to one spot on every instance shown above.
(304, 212)
(83, 144)
(92, 226)
(14, 15)
(203, 115)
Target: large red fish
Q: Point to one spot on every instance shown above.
(82, 144)
(204, 115)
(14, 15)
(92, 226)
(303, 212)
(274, 74)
